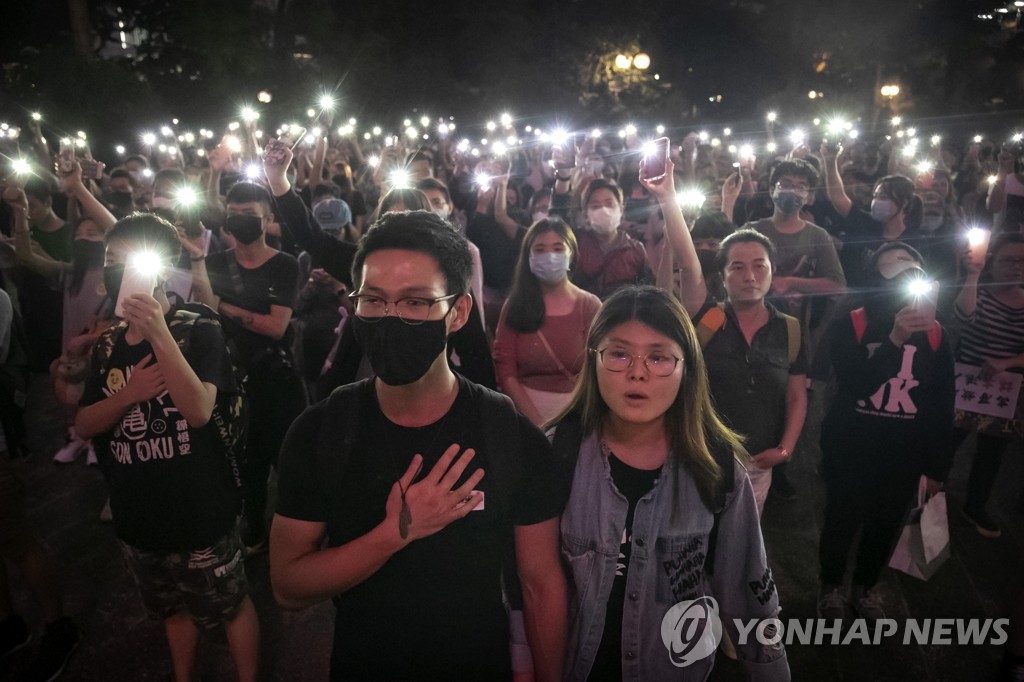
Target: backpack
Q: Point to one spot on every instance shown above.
(499, 422)
(231, 411)
(568, 438)
(859, 319)
(712, 321)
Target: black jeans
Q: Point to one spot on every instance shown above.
(276, 398)
(866, 493)
(987, 457)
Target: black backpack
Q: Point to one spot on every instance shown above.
(231, 411)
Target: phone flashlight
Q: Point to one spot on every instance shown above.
(249, 114)
(140, 277)
(925, 298)
(186, 196)
(326, 102)
(21, 166)
(36, 116)
(690, 198)
(373, 161)
(482, 180)
(233, 144)
(978, 239)
(399, 179)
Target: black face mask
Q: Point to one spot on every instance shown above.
(120, 200)
(112, 276)
(87, 253)
(399, 353)
(244, 228)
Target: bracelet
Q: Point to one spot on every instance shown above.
(783, 451)
(196, 259)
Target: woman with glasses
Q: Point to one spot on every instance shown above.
(541, 337)
(661, 524)
(992, 315)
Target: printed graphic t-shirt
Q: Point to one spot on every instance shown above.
(171, 488)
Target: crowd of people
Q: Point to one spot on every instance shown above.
(539, 391)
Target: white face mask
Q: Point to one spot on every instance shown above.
(441, 213)
(605, 220)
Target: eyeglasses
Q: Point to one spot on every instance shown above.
(789, 186)
(657, 363)
(412, 310)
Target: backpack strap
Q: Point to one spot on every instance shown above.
(792, 337)
(710, 323)
(859, 318)
(935, 336)
(566, 449)
(726, 460)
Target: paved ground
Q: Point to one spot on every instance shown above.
(120, 643)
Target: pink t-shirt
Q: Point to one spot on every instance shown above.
(524, 357)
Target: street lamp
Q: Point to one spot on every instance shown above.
(890, 90)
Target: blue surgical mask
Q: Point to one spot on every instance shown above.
(787, 201)
(550, 267)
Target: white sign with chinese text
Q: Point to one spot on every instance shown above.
(996, 397)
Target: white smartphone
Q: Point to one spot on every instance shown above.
(140, 277)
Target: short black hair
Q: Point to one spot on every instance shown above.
(121, 173)
(434, 184)
(40, 189)
(175, 176)
(796, 168)
(138, 157)
(601, 183)
(421, 231)
(250, 192)
(744, 236)
(712, 225)
(325, 189)
(150, 229)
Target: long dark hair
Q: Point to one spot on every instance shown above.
(526, 300)
(692, 426)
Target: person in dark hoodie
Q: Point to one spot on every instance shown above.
(890, 422)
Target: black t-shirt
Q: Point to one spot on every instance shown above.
(633, 483)
(434, 610)
(498, 253)
(171, 487)
(275, 282)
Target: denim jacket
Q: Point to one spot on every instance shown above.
(666, 567)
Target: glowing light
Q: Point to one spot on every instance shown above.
(596, 133)
(233, 144)
(715, 142)
(146, 262)
(559, 136)
(900, 134)
(186, 196)
(80, 143)
(797, 136)
(21, 166)
(660, 130)
(889, 91)
(896, 120)
(936, 140)
(148, 139)
(311, 113)
(771, 147)
(442, 129)
(406, 123)
(377, 130)
(511, 140)
(631, 129)
(249, 114)
(253, 171)
(412, 133)
(400, 179)
(1018, 137)
(642, 61)
(919, 287)
(812, 95)
(977, 139)
(373, 161)
(732, 149)
(622, 133)
(976, 236)
(326, 102)
(912, 132)
(367, 136)
(424, 121)
(166, 131)
(482, 180)
(925, 167)
(746, 151)
(345, 129)
(264, 97)
(909, 152)
(233, 126)
(622, 62)
(491, 126)
(200, 152)
(771, 116)
(506, 120)
(648, 148)
(315, 131)
(703, 136)
(190, 138)
(120, 149)
(854, 134)
(147, 172)
(836, 126)
(727, 132)
(462, 146)
(690, 198)
(36, 116)
(993, 179)
(816, 121)
(162, 148)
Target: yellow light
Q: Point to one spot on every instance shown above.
(264, 97)
(812, 95)
(889, 90)
(993, 179)
(622, 62)
(642, 61)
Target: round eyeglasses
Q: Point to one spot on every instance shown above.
(412, 310)
(657, 363)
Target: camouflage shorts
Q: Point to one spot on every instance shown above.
(208, 583)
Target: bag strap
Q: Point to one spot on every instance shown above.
(935, 336)
(792, 337)
(710, 323)
(558, 363)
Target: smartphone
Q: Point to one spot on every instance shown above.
(91, 169)
(926, 299)
(139, 278)
(977, 240)
(66, 157)
(655, 159)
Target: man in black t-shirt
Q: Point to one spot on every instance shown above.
(409, 526)
(150, 409)
(254, 288)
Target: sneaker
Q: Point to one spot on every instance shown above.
(867, 604)
(983, 523)
(832, 603)
(14, 635)
(60, 639)
(70, 452)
